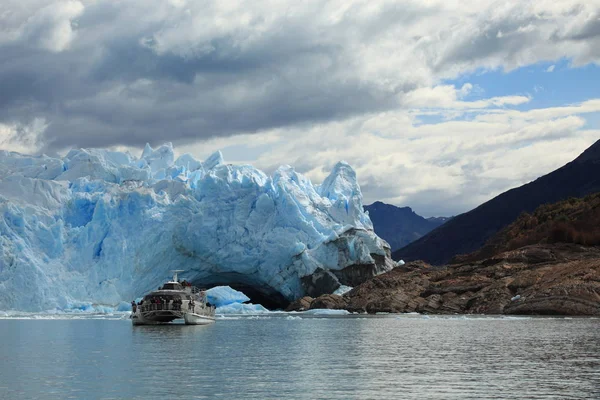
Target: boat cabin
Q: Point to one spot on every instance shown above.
(172, 286)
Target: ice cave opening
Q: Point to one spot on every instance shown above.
(257, 292)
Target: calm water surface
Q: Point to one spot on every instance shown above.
(275, 357)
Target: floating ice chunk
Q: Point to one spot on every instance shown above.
(223, 295)
(292, 318)
(239, 308)
(517, 297)
(324, 311)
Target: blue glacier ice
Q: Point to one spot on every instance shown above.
(241, 308)
(101, 227)
(224, 295)
(230, 301)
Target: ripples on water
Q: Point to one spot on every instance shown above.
(302, 357)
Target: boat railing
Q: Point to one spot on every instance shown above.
(172, 307)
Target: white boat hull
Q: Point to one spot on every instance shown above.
(162, 317)
(137, 320)
(197, 319)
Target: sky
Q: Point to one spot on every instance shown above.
(438, 105)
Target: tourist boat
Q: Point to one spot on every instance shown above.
(174, 300)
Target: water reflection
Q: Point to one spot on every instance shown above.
(275, 357)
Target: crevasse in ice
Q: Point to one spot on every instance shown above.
(104, 227)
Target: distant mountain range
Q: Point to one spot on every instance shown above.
(400, 225)
(468, 232)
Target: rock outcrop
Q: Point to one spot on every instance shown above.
(548, 279)
(301, 304)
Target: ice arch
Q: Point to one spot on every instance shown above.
(103, 226)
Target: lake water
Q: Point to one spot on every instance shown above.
(301, 357)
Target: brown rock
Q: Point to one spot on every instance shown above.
(539, 279)
(301, 304)
(329, 301)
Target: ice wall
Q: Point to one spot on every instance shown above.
(104, 227)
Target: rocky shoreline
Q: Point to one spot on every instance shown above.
(557, 279)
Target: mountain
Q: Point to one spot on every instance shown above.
(400, 226)
(468, 232)
(439, 220)
(99, 227)
(576, 220)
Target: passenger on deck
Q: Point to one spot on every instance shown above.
(133, 306)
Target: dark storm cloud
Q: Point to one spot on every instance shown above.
(119, 90)
(109, 73)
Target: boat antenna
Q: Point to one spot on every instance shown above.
(175, 271)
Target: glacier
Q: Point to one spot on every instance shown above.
(220, 296)
(102, 227)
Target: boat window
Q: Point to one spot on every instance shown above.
(172, 286)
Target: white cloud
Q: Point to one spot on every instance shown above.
(550, 68)
(439, 169)
(22, 138)
(447, 97)
(303, 83)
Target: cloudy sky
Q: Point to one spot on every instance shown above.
(438, 105)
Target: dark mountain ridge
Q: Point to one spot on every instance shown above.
(468, 232)
(575, 220)
(400, 225)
